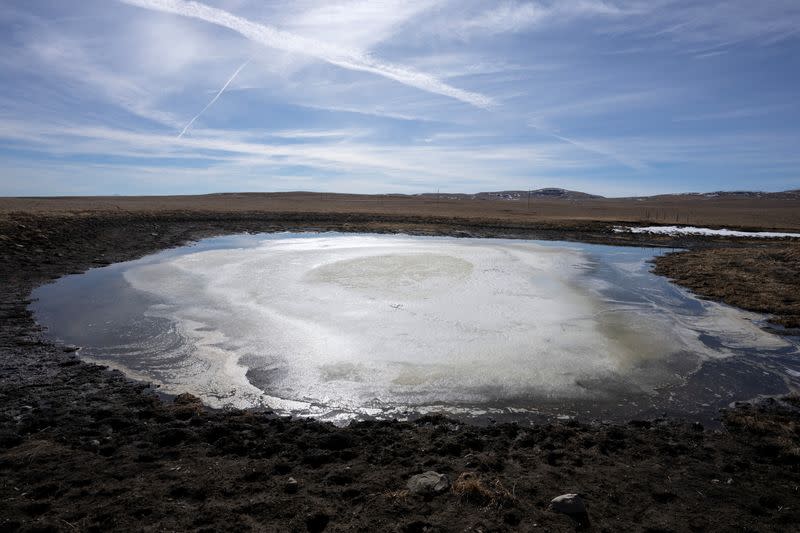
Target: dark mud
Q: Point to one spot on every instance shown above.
(84, 449)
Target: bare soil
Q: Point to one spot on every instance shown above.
(83, 448)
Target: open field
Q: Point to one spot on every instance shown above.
(776, 212)
(84, 449)
(755, 275)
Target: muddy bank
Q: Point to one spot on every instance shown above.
(84, 449)
(759, 277)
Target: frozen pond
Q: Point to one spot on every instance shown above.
(343, 326)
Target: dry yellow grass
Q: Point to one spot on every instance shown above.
(396, 496)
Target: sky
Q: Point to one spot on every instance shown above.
(616, 97)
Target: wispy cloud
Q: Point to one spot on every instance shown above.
(318, 134)
(596, 105)
(715, 53)
(738, 113)
(369, 111)
(603, 150)
(715, 23)
(441, 163)
(95, 94)
(470, 161)
(515, 16)
(68, 63)
(330, 53)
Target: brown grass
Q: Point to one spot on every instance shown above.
(765, 212)
(793, 399)
(762, 278)
(396, 496)
(469, 487)
(790, 447)
(755, 422)
(781, 434)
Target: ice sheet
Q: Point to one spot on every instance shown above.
(340, 325)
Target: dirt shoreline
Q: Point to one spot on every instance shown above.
(84, 449)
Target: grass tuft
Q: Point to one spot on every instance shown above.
(469, 487)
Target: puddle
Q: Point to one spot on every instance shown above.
(344, 326)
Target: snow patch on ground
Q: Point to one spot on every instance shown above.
(692, 230)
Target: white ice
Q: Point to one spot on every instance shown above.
(348, 324)
(691, 230)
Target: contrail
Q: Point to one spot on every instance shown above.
(622, 159)
(216, 97)
(619, 158)
(335, 55)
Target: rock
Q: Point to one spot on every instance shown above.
(291, 486)
(429, 482)
(569, 504)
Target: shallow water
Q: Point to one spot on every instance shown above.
(343, 326)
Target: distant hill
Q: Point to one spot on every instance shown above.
(538, 193)
(554, 193)
(721, 195)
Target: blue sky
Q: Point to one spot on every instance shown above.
(611, 97)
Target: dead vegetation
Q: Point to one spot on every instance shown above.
(793, 399)
(396, 496)
(746, 212)
(778, 435)
(469, 487)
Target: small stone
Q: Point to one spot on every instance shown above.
(291, 486)
(429, 482)
(569, 504)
